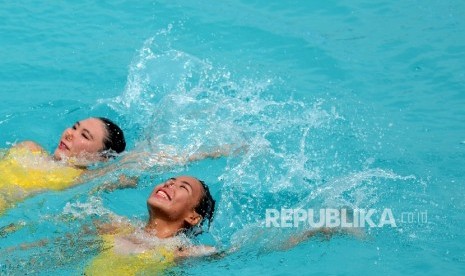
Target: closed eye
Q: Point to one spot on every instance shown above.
(86, 134)
(186, 186)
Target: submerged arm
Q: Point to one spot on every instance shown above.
(218, 152)
(145, 160)
(324, 232)
(194, 252)
(170, 156)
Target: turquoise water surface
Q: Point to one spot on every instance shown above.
(340, 103)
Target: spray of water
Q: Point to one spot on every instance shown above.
(293, 153)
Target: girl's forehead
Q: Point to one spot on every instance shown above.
(193, 182)
(91, 121)
(95, 125)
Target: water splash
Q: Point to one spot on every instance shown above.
(298, 153)
(82, 210)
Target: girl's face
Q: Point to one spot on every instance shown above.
(83, 140)
(176, 198)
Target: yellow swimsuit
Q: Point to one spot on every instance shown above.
(24, 172)
(150, 262)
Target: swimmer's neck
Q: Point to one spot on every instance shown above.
(162, 228)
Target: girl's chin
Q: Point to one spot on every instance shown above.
(59, 155)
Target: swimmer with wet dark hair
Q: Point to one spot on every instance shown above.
(27, 168)
(114, 142)
(177, 210)
(87, 141)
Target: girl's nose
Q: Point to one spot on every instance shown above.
(68, 135)
(169, 183)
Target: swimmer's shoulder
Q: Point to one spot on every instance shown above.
(30, 145)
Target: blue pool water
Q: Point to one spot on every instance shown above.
(341, 103)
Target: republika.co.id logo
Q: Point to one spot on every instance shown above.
(330, 217)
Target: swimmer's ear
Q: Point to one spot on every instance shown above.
(193, 218)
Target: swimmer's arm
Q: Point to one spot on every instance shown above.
(123, 182)
(30, 145)
(116, 225)
(169, 157)
(117, 181)
(26, 246)
(324, 232)
(209, 252)
(214, 154)
(194, 252)
(222, 151)
(145, 160)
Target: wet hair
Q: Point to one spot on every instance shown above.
(205, 208)
(114, 140)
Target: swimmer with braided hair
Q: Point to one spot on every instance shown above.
(177, 209)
